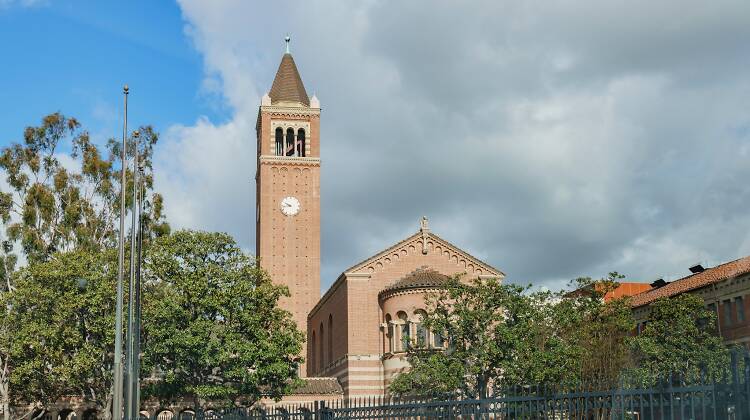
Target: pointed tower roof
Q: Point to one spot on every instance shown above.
(287, 86)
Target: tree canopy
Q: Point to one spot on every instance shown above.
(496, 334)
(212, 326)
(63, 328)
(680, 337)
(62, 195)
(505, 335)
(53, 206)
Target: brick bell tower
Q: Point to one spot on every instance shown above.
(288, 190)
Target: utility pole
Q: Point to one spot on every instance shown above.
(117, 366)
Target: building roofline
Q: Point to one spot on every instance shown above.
(726, 271)
(350, 272)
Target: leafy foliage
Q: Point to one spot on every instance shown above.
(680, 337)
(433, 373)
(212, 325)
(51, 208)
(496, 334)
(63, 328)
(55, 204)
(599, 331)
(504, 335)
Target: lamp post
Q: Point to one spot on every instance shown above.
(117, 365)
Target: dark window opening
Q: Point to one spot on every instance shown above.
(301, 142)
(422, 336)
(330, 338)
(289, 142)
(405, 336)
(312, 352)
(322, 353)
(740, 309)
(438, 341)
(279, 142)
(727, 312)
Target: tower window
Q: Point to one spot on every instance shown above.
(279, 142)
(301, 142)
(289, 142)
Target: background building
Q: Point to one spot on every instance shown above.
(725, 289)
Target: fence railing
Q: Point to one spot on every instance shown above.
(674, 399)
(697, 402)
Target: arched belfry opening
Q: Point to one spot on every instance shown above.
(289, 142)
(301, 142)
(279, 142)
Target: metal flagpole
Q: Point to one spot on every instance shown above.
(117, 366)
(129, 392)
(137, 337)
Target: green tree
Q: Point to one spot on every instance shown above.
(504, 335)
(51, 208)
(63, 330)
(433, 373)
(598, 332)
(680, 338)
(212, 326)
(491, 328)
(7, 267)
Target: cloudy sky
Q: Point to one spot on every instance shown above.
(551, 139)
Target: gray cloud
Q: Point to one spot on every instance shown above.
(551, 139)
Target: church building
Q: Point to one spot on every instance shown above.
(356, 333)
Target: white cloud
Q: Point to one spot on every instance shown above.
(552, 141)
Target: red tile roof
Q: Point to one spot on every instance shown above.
(710, 276)
(626, 289)
(318, 386)
(287, 86)
(421, 278)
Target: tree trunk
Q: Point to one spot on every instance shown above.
(5, 398)
(107, 415)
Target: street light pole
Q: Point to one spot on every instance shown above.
(117, 366)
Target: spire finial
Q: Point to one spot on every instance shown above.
(423, 224)
(425, 231)
(287, 39)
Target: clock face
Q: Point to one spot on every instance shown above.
(290, 206)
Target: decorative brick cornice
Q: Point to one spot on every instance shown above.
(289, 161)
(472, 265)
(290, 112)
